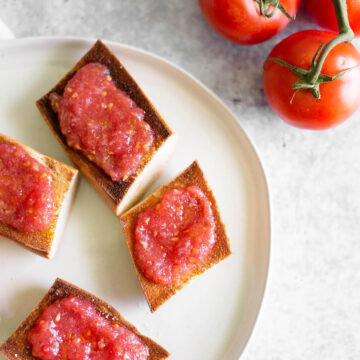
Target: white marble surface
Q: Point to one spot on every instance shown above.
(312, 304)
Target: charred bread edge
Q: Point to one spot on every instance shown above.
(65, 180)
(16, 347)
(112, 192)
(157, 294)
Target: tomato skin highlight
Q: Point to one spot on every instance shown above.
(241, 22)
(339, 98)
(323, 13)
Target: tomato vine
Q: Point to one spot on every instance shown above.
(276, 5)
(312, 78)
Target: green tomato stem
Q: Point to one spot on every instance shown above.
(342, 19)
(276, 4)
(345, 35)
(311, 79)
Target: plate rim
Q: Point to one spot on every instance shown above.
(18, 42)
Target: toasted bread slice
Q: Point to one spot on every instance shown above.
(16, 347)
(65, 180)
(157, 294)
(123, 194)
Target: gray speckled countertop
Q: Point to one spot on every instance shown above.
(312, 304)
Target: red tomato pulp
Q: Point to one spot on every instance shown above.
(174, 236)
(103, 122)
(26, 190)
(71, 329)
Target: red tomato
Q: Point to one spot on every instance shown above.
(322, 12)
(339, 98)
(242, 22)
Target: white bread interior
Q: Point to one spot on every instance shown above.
(64, 214)
(148, 175)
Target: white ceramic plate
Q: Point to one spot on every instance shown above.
(212, 317)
